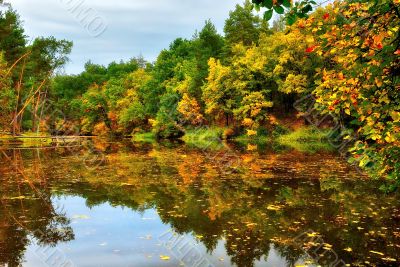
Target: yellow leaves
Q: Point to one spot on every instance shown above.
(310, 39)
(190, 110)
(348, 249)
(390, 138)
(376, 252)
(378, 82)
(164, 258)
(278, 70)
(153, 122)
(395, 116)
(294, 84)
(389, 259)
(247, 122)
(274, 207)
(17, 198)
(251, 132)
(313, 234)
(251, 147)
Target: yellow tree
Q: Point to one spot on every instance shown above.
(360, 84)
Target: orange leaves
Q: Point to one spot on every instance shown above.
(311, 49)
(378, 82)
(326, 16)
(397, 52)
(376, 41)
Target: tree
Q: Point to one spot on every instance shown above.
(7, 96)
(253, 111)
(12, 36)
(299, 9)
(242, 26)
(360, 85)
(219, 96)
(207, 44)
(131, 107)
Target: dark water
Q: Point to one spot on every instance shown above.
(125, 204)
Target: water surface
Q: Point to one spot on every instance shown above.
(125, 204)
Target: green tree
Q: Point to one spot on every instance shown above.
(242, 26)
(7, 96)
(12, 35)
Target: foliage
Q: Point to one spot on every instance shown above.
(298, 9)
(7, 96)
(242, 26)
(345, 55)
(360, 85)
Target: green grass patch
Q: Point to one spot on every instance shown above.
(205, 137)
(144, 137)
(259, 139)
(307, 139)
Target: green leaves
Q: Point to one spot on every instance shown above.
(297, 10)
(286, 3)
(268, 3)
(279, 9)
(268, 14)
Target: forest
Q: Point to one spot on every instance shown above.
(331, 66)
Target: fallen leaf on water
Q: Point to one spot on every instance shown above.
(376, 252)
(312, 234)
(389, 259)
(273, 207)
(20, 197)
(164, 258)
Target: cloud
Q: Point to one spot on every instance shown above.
(134, 27)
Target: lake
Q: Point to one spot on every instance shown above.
(99, 203)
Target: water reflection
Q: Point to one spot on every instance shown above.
(251, 212)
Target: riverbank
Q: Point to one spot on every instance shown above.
(303, 139)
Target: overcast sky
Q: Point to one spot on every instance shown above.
(118, 29)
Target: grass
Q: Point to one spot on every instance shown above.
(209, 138)
(259, 139)
(148, 137)
(307, 139)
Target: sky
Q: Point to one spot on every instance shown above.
(104, 31)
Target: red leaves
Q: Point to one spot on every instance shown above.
(311, 49)
(397, 52)
(326, 16)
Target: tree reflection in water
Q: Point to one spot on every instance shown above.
(264, 202)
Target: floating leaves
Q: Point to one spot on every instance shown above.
(165, 258)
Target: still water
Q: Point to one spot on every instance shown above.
(128, 204)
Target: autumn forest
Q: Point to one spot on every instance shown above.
(272, 142)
